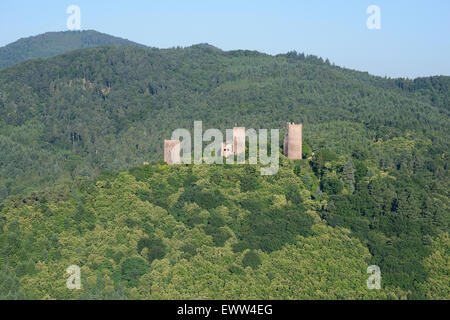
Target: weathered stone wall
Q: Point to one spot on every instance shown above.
(238, 140)
(172, 150)
(293, 142)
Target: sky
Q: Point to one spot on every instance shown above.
(413, 39)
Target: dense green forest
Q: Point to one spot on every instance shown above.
(226, 232)
(76, 128)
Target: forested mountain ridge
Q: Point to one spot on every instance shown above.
(53, 43)
(111, 108)
(378, 182)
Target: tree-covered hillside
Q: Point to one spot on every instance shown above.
(185, 232)
(226, 232)
(375, 192)
(53, 43)
(110, 108)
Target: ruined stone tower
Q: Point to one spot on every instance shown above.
(237, 146)
(172, 150)
(292, 147)
(238, 140)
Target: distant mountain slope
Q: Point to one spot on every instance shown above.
(53, 43)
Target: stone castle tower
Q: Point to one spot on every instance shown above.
(238, 145)
(292, 147)
(172, 150)
(238, 140)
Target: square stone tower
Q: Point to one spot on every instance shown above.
(238, 140)
(172, 150)
(292, 147)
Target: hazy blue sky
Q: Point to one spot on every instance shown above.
(413, 40)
